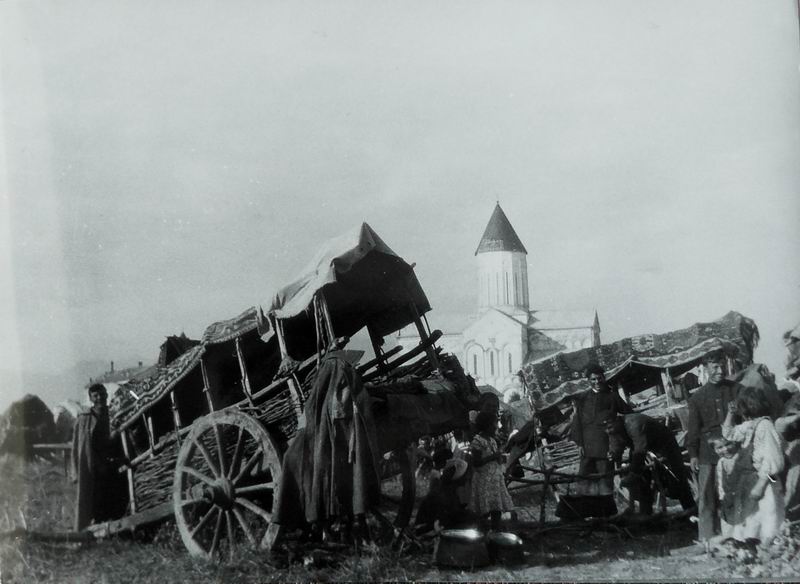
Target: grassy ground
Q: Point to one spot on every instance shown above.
(38, 497)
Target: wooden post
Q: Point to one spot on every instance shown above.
(243, 368)
(206, 387)
(377, 341)
(151, 437)
(326, 313)
(176, 416)
(318, 329)
(278, 328)
(666, 381)
(127, 451)
(291, 381)
(423, 335)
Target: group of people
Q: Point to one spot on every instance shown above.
(739, 457)
(737, 443)
(471, 487)
(604, 426)
(737, 453)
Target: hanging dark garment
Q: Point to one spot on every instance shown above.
(331, 467)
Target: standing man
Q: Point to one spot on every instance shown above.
(592, 410)
(91, 465)
(708, 407)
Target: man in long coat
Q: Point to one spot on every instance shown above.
(592, 410)
(91, 464)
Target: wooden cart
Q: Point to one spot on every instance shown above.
(206, 434)
(646, 365)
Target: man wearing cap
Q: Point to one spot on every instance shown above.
(592, 410)
(708, 407)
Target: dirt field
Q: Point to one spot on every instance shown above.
(38, 497)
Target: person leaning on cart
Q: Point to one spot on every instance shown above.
(592, 410)
(92, 462)
(643, 434)
(708, 407)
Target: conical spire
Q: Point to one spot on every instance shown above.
(499, 235)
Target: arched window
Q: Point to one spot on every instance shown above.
(475, 365)
(509, 362)
(491, 362)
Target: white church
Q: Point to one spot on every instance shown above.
(506, 333)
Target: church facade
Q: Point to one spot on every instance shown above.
(505, 333)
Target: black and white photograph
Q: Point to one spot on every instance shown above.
(380, 291)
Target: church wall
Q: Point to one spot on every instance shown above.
(490, 344)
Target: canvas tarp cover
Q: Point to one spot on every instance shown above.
(551, 380)
(364, 282)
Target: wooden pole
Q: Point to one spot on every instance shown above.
(206, 387)
(176, 416)
(291, 381)
(318, 329)
(248, 391)
(666, 380)
(423, 335)
(279, 333)
(151, 437)
(127, 451)
(326, 313)
(377, 341)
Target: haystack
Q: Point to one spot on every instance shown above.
(26, 422)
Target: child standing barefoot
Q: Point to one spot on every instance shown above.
(489, 494)
(759, 463)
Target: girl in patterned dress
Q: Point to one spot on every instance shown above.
(489, 494)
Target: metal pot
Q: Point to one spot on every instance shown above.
(505, 548)
(461, 548)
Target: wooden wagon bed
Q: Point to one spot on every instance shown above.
(206, 433)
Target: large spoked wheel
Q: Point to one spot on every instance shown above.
(225, 478)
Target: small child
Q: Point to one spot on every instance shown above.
(489, 494)
(727, 450)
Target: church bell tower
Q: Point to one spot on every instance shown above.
(502, 267)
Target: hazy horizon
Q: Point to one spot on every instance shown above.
(165, 166)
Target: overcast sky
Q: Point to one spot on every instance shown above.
(167, 164)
